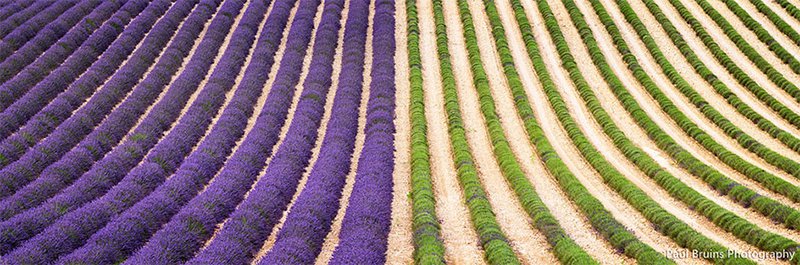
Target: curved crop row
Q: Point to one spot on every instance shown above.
(250, 224)
(130, 230)
(24, 16)
(13, 8)
(178, 240)
(18, 36)
(40, 83)
(736, 225)
(159, 163)
(107, 172)
(665, 222)
(366, 222)
(18, 172)
(428, 245)
(309, 220)
(78, 125)
(602, 220)
(66, 29)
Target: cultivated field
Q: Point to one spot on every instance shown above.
(399, 131)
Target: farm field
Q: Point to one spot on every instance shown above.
(399, 132)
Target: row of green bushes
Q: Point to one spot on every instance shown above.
(663, 221)
(565, 249)
(766, 206)
(762, 34)
(791, 9)
(497, 249)
(428, 247)
(768, 180)
(602, 220)
(742, 78)
(779, 23)
(727, 220)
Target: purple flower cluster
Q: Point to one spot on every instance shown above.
(177, 241)
(240, 237)
(366, 223)
(15, 62)
(130, 230)
(83, 122)
(300, 239)
(113, 167)
(46, 152)
(79, 51)
(22, 16)
(19, 35)
(13, 8)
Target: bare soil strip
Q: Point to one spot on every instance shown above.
(748, 67)
(636, 134)
(295, 100)
(780, 11)
(757, 44)
(459, 238)
(652, 108)
(332, 239)
(401, 247)
(764, 21)
(568, 214)
(651, 67)
(619, 208)
(604, 144)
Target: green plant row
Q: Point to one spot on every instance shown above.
(779, 23)
(663, 221)
(428, 247)
(778, 212)
(773, 74)
(791, 9)
(497, 249)
(735, 70)
(727, 220)
(602, 220)
(564, 248)
(768, 180)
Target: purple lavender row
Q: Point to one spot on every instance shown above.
(300, 239)
(131, 229)
(114, 166)
(250, 224)
(18, 36)
(34, 27)
(43, 154)
(13, 9)
(102, 101)
(20, 17)
(17, 61)
(160, 163)
(178, 240)
(105, 49)
(83, 122)
(79, 51)
(366, 222)
(59, 238)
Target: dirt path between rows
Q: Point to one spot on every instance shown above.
(459, 238)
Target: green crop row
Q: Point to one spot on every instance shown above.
(739, 227)
(602, 220)
(791, 9)
(565, 249)
(781, 25)
(735, 71)
(428, 247)
(778, 212)
(494, 242)
(762, 34)
(664, 222)
(768, 180)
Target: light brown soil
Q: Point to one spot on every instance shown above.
(459, 238)
(619, 208)
(401, 247)
(705, 55)
(604, 144)
(573, 222)
(337, 66)
(767, 24)
(775, 7)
